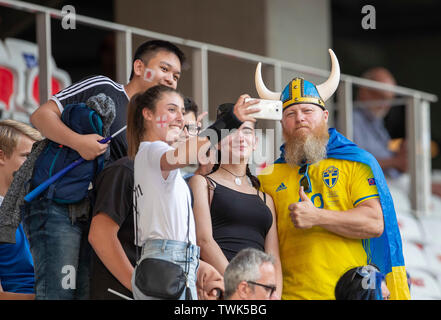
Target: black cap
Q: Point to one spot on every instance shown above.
(224, 108)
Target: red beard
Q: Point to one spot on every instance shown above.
(304, 145)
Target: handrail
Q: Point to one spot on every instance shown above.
(54, 13)
(417, 102)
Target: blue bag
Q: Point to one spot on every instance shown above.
(74, 185)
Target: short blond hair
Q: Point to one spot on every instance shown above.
(10, 131)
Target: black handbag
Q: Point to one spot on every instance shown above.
(161, 278)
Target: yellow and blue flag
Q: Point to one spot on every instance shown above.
(385, 251)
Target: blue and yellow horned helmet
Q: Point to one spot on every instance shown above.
(299, 90)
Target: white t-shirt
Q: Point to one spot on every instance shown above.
(164, 205)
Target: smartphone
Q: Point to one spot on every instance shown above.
(269, 109)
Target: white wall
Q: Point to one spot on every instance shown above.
(299, 31)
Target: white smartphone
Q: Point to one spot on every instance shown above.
(269, 109)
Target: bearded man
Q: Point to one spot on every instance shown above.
(334, 210)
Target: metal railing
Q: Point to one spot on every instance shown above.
(417, 102)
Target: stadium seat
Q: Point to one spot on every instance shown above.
(424, 286)
(433, 253)
(435, 207)
(12, 85)
(414, 255)
(431, 227)
(410, 228)
(401, 200)
(60, 79)
(24, 55)
(7, 88)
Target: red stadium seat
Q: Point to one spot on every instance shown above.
(24, 55)
(56, 86)
(7, 88)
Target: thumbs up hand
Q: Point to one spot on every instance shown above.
(304, 214)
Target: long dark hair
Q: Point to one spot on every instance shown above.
(135, 119)
(222, 109)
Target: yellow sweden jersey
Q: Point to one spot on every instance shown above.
(314, 259)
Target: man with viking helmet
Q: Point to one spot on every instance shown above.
(334, 210)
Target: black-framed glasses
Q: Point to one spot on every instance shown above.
(192, 129)
(305, 181)
(268, 288)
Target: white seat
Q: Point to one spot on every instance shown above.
(401, 199)
(410, 228)
(431, 227)
(24, 55)
(435, 207)
(414, 255)
(433, 254)
(424, 285)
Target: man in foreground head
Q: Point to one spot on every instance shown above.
(250, 275)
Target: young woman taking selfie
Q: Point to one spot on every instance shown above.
(165, 227)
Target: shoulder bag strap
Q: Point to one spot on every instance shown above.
(135, 212)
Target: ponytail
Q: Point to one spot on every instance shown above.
(135, 125)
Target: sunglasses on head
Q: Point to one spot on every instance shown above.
(305, 182)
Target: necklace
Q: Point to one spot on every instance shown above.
(237, 179)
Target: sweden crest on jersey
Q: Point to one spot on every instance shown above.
(330, 176)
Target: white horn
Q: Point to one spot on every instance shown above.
(327, 88)
(263, 92)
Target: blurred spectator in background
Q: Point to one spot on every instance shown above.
(370, 131)
(250, 275)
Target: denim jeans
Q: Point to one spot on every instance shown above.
(174, 251)
(60, 250)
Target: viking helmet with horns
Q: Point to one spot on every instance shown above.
(299, 90)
